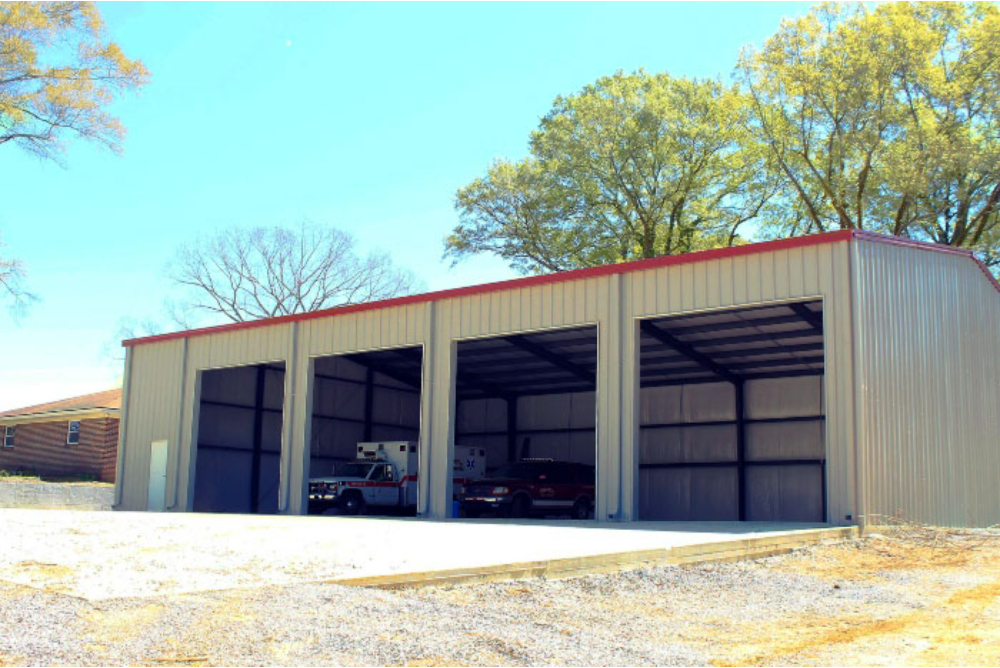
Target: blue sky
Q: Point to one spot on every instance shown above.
(366, 117)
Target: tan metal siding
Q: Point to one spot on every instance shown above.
(929, 391)
(151, 414)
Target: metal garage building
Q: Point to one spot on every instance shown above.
(824, 378)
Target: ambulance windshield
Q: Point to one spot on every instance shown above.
(354, 470)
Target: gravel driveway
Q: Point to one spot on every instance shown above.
(881, 601)
(35, 493)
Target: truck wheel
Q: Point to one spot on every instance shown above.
(581, 509)
(352, 503)
(520, 506)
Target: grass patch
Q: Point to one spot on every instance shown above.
(35, 477)
(16, 474)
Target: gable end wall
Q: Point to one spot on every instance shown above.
(928, 398)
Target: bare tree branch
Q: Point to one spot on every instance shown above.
(246, 274)
(12, 287)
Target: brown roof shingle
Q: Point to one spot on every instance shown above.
(110, 399)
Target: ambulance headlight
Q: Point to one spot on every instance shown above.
(501, 490)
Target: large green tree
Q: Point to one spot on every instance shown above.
(884, 119)
(633, 166)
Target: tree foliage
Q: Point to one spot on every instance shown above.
(244, 274)
(883, 119)
(634, 166)
(58, 75)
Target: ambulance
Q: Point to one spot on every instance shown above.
(384, 475)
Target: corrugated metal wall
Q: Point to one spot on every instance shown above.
(164, 377)
(154, 377)
(338, 422)
(928, 350)
(559, 426)
(674, 431)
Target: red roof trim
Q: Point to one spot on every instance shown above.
(986, 270)
(912, 243)
(939, 248)
(559, 277)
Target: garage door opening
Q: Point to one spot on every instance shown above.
(528, 402)
(238, 459)
(732, 421)
(365, 433)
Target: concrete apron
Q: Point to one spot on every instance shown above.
(774, 542)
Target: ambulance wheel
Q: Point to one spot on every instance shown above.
(352, 503)
(581, 509)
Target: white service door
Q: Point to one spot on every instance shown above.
(157, 476)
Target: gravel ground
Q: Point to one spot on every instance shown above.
(841, 604)
(34, 493)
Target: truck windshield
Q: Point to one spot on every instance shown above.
(354, 470)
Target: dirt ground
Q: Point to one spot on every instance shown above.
(957, 623)
(900, 597)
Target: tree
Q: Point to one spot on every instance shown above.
(884, 119)
(11, 282)
(633, 166)
(244, 274)
(58, 75)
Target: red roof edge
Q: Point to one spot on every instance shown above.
(986, 270)
(939, 248)
(560, 277)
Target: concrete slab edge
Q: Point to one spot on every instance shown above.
(714, 552)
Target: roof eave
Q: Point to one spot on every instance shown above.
(59, 416)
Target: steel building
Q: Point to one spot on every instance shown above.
(828, 378)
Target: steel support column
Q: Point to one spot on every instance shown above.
(258, 435)
(741, 439)
(511, 429)
(369, 402)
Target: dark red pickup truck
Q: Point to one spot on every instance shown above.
(531, 487)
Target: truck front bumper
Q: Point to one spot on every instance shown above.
(477, 505)
(319, 503)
